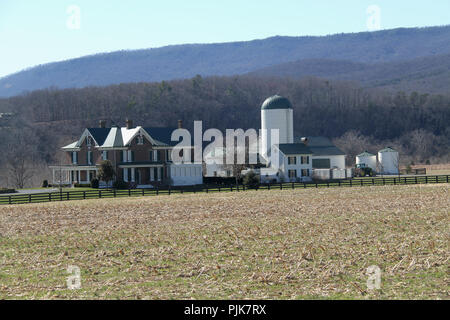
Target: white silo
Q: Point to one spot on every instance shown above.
(276, 113)
(367, 160)
(389, 161)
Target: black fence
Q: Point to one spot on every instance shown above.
(100, 194)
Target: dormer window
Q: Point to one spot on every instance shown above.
(88, 141)
(139, 140)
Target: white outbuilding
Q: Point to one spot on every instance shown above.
(367, 160)
(388, 161)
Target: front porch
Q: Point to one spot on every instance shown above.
(145, 175)
(68, 175)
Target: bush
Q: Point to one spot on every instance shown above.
(251, 180)
(94, 183)
(118, 184)
(6, 190)
(45, 184)
(82, 185)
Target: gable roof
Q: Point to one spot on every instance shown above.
(99, 134)
(294, 148)
(114, 138)
(162, 136)
(322, 146)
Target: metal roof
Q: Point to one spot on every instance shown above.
(276, 102)
(294, 148)
(322, 146)
(99, 134)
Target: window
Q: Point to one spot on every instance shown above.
(305, 173)
(292, 174)
(155, 155)
(139, 140)
(88, 141)
(168, 155)
(305, 160)
(105, 155)
(130, 156)
(292, 160)
(74, 157)
(321, 164)
(89, 157)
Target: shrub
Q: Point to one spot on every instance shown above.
(119, 184)
(251, 180)
(94, 183)
(6, 190)
(82, 185)
(45, 184)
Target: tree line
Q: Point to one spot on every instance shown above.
(417, 123)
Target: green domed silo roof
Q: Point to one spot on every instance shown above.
(276, 102)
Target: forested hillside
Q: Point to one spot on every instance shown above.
(426, 74)
(185, 61)
(416, 124)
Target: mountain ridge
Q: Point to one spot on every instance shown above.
(226, 59)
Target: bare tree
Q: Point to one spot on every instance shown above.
(20, 171)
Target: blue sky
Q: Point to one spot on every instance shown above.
(35, 32)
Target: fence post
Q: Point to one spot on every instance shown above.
(328, 184)
(351, 182)
(292, 185)
(362, 182)
(169, 191)
(384, 182)
(68, 195)
(143, 192)
(304, 185)
(268, 186)
(231, 188)
(281, 186)
(114, 192)
(447, 178)
(9, 199)
(129, 192)
(415, 178)
(50, 197)
(84, 194)
(29, 198)
(373, 181)
(426, 179)
(157, 191)
(99, 194)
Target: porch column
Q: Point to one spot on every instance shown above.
(133, 174)
(125, 174)
(78, 176)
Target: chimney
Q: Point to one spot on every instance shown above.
(102, 123)
(180, 124)
(304, 140)
(129, 124)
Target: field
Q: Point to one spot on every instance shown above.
(277, 244)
